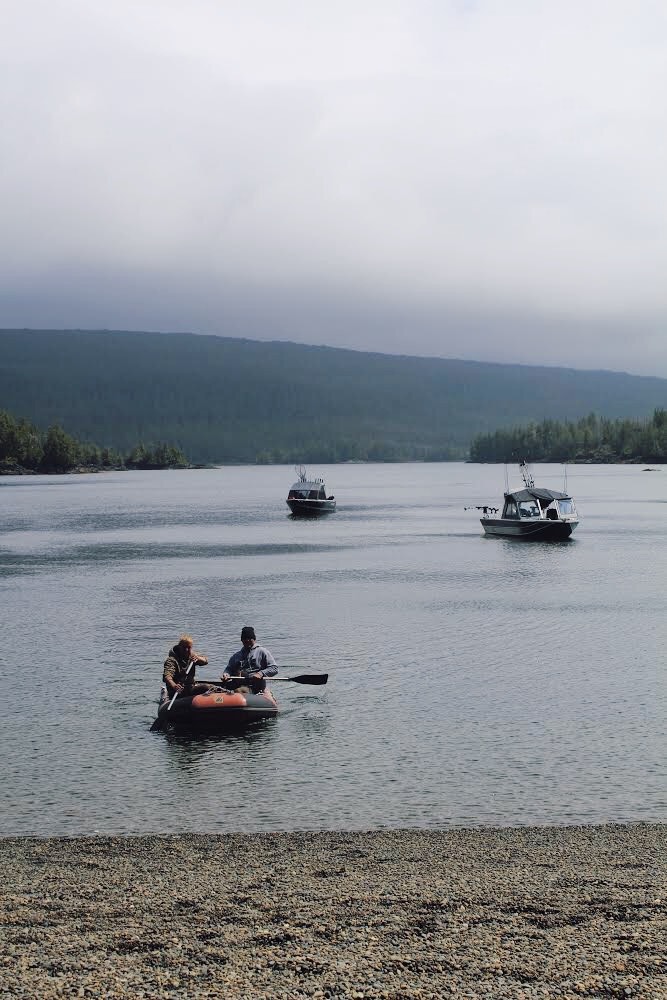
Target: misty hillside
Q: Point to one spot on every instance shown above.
(227, 400)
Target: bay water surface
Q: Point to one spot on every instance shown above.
(473, 681)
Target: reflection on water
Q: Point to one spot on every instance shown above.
(191, 757)
(473, 680)
(195, 746)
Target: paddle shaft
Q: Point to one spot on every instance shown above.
(176, 693)
(300, 679)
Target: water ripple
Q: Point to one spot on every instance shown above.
(472, 681)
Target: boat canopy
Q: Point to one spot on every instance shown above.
(308, 484)
(536, 493)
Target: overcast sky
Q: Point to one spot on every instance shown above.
(480, 179)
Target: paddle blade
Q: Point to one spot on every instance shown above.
(304, 679)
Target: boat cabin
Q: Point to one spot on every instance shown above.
(308, 490)
(534, 502)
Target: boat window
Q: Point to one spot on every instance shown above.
(510, 509)
(566, 508)
(322, 495)
(528, 508)
(312, 495)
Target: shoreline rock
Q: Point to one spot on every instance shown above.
(519, 913)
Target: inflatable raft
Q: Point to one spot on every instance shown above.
(218, 711)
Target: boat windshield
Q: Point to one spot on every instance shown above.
(307, 494)
(528, 508)
(566, 508)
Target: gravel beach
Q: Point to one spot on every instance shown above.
(566, 912)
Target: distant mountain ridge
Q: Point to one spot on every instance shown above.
(222, 399)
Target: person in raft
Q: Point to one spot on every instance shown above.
(253, 663)
(176, 678)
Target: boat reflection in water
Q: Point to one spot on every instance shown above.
(532, 513)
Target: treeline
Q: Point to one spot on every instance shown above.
(591, 439)
(24, 448)
(225, 401)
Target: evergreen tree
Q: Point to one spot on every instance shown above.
(591, 439)
(61, 452)
(138, 457)
(23, 446)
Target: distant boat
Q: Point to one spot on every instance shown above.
(531, 513)
(308, 497)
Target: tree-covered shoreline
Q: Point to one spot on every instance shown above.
(25, 450)
(227, 401)
(592, 439)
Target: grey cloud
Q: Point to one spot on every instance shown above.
(151, 301)
(477, 180)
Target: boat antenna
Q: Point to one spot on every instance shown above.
(301, 472)
(528, 480)
(564, 477)
(507, 479)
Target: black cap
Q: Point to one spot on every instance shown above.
(247, 632)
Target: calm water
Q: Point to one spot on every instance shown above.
(473, 681)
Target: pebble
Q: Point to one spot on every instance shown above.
(522, 914)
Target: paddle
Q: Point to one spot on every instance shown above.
(299, 679)
(303, 679)
(159, 722)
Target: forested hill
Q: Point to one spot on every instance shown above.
(227, 400)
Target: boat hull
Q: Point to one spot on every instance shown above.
(530, 530)
(311, 508)
(219, 711)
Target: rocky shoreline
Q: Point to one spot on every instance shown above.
(565, 912)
